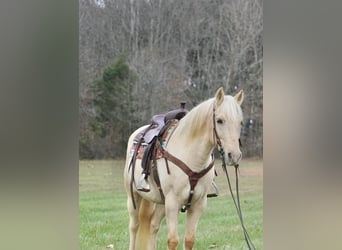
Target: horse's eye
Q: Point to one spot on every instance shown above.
(219, 121)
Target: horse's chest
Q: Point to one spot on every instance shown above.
(178, 183)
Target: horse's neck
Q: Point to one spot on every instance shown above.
(194, 151)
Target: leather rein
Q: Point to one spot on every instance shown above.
(237, 200)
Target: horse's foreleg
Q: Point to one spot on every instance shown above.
(133, 221)
(193, 216)
(158, 215)
(171, 209)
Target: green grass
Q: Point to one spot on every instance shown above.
(104, 217)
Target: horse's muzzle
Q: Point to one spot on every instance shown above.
(233, 159)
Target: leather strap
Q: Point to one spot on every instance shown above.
(132, 165)
(156, 179)
(185, 168)
(216, 137)
(193, 176)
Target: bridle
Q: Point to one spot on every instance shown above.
(236, 166)
(216, 137)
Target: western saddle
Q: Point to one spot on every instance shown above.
(144, 146)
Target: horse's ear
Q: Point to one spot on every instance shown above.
(219, 96)
(239, 97)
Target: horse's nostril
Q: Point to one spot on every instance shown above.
(230, 155)
(240, 156)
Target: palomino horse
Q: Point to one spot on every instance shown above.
(213, 123)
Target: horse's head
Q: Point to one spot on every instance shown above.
(227, 124)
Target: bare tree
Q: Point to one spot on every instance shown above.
(179, 50)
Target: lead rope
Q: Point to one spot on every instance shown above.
(237, 201)
(224, 167)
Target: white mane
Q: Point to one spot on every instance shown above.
(200, 119)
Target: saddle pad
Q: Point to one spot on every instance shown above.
(141, 150)
(164, 139)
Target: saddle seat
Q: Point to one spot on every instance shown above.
(158, 122)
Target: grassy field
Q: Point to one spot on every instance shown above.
(104, 217)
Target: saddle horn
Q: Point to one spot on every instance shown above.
(176, 114)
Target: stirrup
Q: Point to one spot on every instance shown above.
(143, 184)
(216, 191)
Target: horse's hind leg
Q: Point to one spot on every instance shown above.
(133, 221)
(158, 215)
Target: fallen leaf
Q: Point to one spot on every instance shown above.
(213, 245)
(111, 246)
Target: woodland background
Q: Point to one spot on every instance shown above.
(138, 58)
